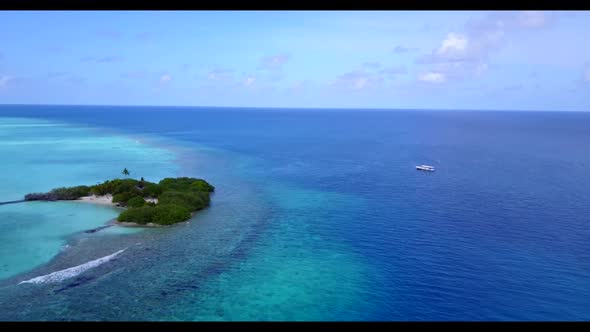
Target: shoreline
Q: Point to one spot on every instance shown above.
(134, 224)
(148, 225)
(107, 200)
(101, 200)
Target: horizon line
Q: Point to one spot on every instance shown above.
(308, 108)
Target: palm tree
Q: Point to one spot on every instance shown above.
(125, 172)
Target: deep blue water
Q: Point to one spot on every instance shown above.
(335, 223)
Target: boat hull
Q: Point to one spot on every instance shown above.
(426, 169)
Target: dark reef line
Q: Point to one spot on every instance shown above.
(13, 202)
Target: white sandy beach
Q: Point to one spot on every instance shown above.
(104, 199)
(107, 199)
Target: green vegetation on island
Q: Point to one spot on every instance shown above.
(161, 214)
(176, 198)
(136, 202)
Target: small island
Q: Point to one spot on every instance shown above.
(148, 204)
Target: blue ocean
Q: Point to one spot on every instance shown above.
(318, 214)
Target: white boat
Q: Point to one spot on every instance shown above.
(425, 168)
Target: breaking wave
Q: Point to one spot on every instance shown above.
(72, 271)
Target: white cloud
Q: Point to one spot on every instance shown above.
(4, 80)
(467, 53)
(432, 77)
(165, 78)
(454, 44)
(250, 80)
(587, 75)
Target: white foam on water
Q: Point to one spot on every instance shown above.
(72, 271)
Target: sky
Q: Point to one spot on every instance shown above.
(507, 60)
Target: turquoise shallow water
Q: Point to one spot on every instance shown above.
(32, 233)
(38, 155)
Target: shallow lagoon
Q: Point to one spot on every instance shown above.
(32, 233)
(38, 155)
